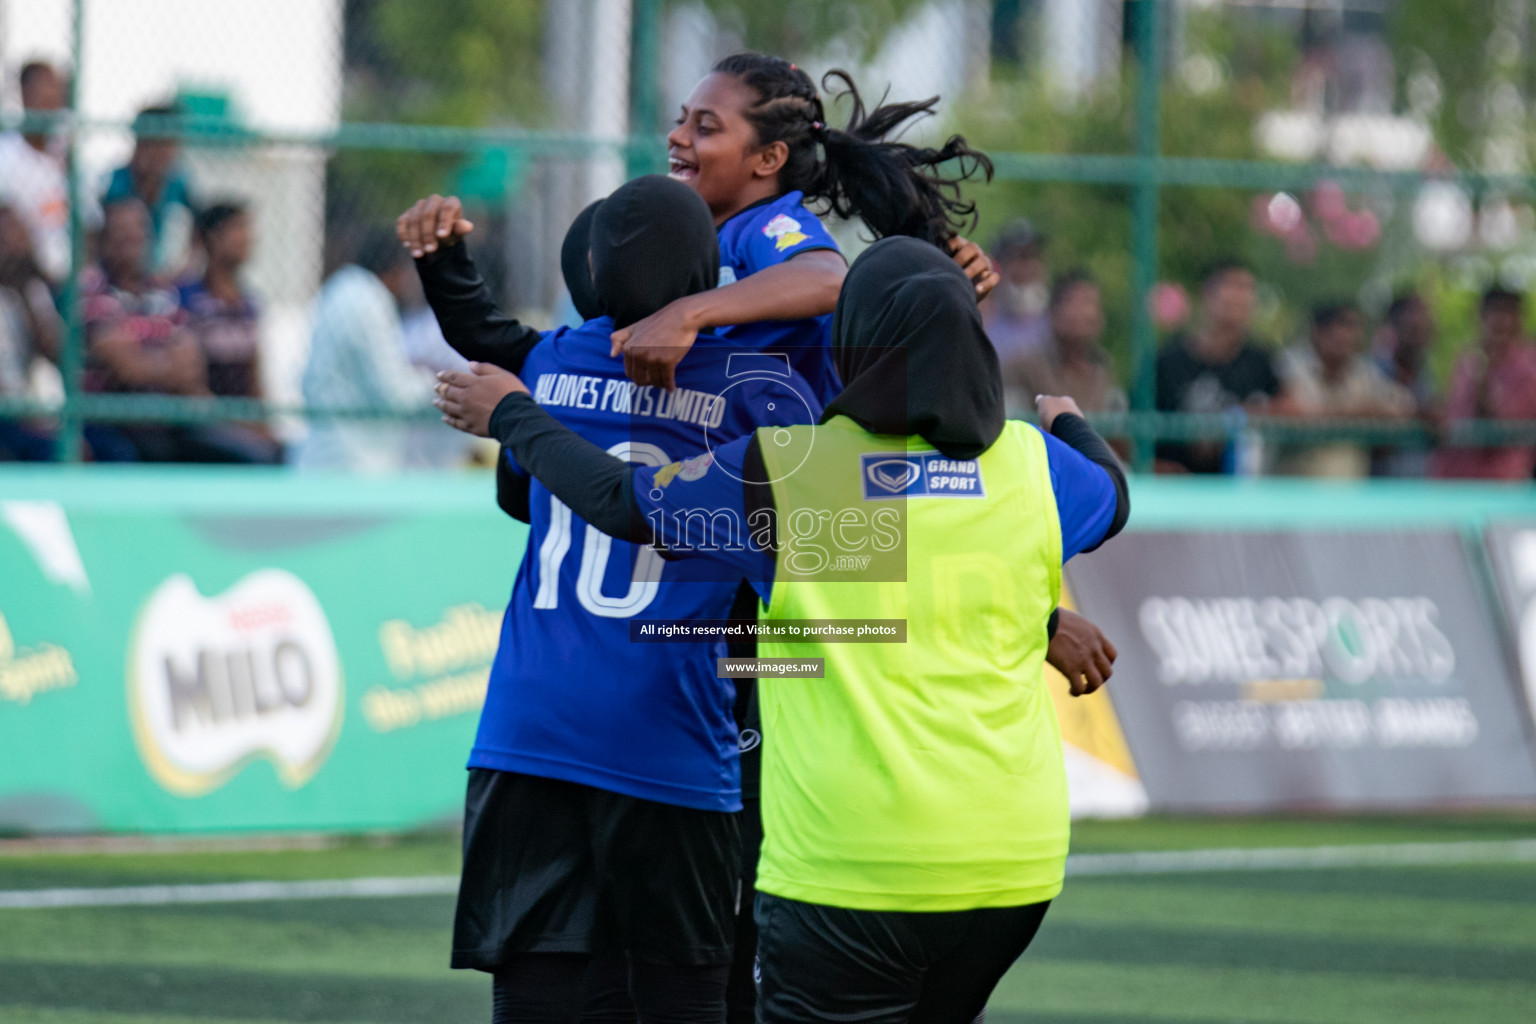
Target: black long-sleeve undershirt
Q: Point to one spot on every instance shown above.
(1075, 432)
(513, 495)
(597, 486)
(475, 327)
(471, 321)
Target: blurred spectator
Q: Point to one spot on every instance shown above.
(153, 175)
(1494, 381)
(137, 342)
(1330, 377)
(1402, 352)
(431, 444)
(425, 346)
(22, 279)
(32, 177)
(134, 338)
(1214, 369)
(219, 311)
(224, 317)
(1015, 313)
(357, 360)
(1070, 361)
(29, 331)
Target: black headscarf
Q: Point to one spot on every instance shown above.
(653, 241)
(911, 350)
(576, 267)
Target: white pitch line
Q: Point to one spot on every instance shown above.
(1163, 862)
(1080, 865)
(229, 892)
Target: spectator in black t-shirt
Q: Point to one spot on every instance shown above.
(1215, 368)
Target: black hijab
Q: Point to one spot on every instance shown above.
(576, 265)
(653, 241)
(909, 345)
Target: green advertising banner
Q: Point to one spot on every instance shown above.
(195, 648)
(227, 650)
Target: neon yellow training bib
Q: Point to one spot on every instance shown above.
(924, 776)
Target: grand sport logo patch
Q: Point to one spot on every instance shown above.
(920, 475)
(216, 682)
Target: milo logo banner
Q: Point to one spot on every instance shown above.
(215, 682)
(193, 652)
(1263, 671)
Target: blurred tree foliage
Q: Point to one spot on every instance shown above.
(448, 62)
(1235, 69)
(798, 29)
(1448, 40)
(479, 62)
(1089, 225)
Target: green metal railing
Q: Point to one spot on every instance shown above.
(1147, 186)
(1145, 173)
(71, 444)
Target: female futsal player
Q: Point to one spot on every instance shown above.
(1077, 648)
(754, 142)
(914, 799)
(600, 818)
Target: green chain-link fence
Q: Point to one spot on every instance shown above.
(323, 119)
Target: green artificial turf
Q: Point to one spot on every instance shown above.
(1353, 945)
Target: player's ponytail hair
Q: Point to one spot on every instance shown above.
(897, 188)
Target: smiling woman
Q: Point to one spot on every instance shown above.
(753, 140)
(755, 129)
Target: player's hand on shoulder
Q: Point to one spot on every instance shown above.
(1051, 406)
(653, 347)
(432, 222)
(1081, 652)
(976, 263)
(467, 400)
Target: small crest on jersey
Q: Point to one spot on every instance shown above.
(688, 469)
(665, 474)
(919, 475)
(696, 467)
(727, 275)
(785, 232)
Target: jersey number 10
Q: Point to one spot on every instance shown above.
(595, 548)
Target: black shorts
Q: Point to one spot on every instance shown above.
(741, 989)
(558, 867)
(820, 963)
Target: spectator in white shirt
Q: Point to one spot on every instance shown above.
(357, 360)
(29, 338)
(32, 177)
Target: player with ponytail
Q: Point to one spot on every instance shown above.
(755, 141)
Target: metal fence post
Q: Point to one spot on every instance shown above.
(1144, 219)
(644, 86)
(70, 447)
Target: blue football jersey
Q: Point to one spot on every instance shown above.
(763, 236)
(570, 697)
